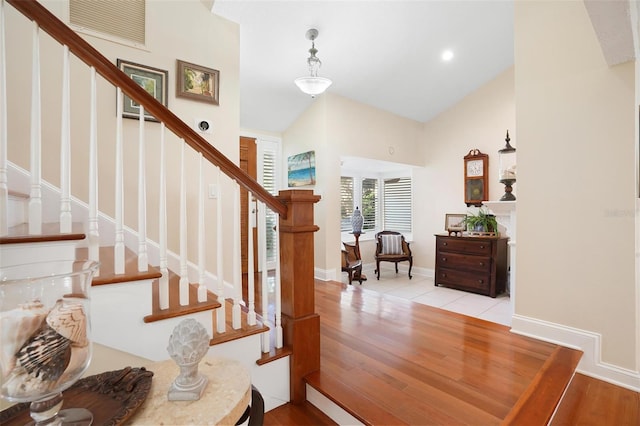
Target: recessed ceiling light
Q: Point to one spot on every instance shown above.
(447, 55)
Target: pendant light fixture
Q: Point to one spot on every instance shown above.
(313, 85)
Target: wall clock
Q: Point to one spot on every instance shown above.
(476, 182)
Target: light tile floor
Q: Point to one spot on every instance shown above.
(420, 289)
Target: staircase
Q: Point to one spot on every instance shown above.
(143, 289)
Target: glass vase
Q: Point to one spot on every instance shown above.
(45, 335)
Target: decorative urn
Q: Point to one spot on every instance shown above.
(357, 221)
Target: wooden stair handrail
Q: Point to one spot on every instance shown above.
(59, 31)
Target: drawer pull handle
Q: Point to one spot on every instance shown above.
(444, 244)
(481, 247)
(481, 263)
(444, 259)
(481, 281)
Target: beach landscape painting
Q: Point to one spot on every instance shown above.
(301, 169)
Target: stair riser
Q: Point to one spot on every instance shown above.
(17, 254)
(330, 408)
(17, 210)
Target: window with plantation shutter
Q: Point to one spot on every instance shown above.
(269, 183)
(122, 19)
(369, 203)
(397, 204)
(346, 203)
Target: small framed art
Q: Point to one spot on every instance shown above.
(153, 80)
(454, 223)
(198, 83)
(301, 169)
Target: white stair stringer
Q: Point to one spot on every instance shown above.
(117, 320)
(271, 379)
(117, 312)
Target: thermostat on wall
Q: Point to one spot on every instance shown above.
(203, 126)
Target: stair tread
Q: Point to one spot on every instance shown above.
(19, 233)
(107, 275)
(274, 354)
(350, 400)
(175, 309)
(539, 401)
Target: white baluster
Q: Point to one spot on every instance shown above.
(35, 195)
(264, 273)
(221, 312)
(4, 180)
(65, 148)
(164, 279)
(94, 235)
(118, 249)
(251, 314)
(184, 271)
(143, 260)
(202, 288)
(237, 267)
(278, 290)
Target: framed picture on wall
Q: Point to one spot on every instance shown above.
(301, 169)
(198, 83)
(153, 80)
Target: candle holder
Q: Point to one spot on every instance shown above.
(508, 188)
(508, 169)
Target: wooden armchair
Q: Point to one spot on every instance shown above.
(351, 262)
(392, 247)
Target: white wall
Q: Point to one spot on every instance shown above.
(576, 121)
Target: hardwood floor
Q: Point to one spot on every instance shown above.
(426, 366)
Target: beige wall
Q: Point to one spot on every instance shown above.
(335, 126)
(480, 121)
(308, 133)
(576, 177)
(196, 36)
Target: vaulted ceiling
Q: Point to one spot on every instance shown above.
(387, 54)
(382, 53)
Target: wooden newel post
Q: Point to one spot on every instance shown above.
(301, 325)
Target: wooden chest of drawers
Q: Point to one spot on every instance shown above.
(475, 264)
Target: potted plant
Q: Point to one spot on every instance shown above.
(481, 222)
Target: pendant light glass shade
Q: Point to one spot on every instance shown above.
(313, 85)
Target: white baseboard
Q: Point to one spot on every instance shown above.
(334, 275)
(588, 342)
(325, 274)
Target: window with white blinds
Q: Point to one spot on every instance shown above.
(346, 203)
(369, 203)
(397, 198)
(121, 19)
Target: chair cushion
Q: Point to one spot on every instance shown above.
(391, 244)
